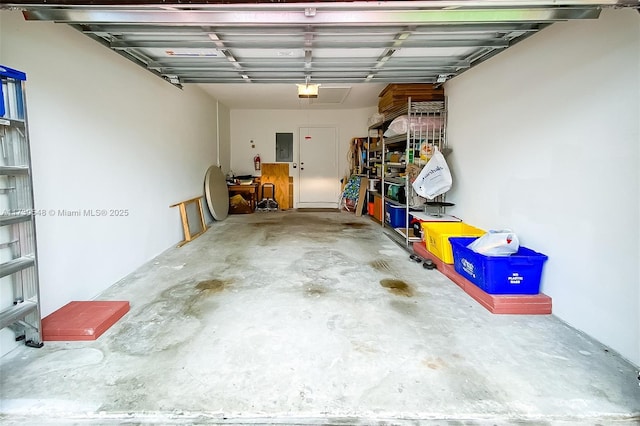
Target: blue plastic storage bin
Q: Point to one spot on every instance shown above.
(396, 216)
(519, 273)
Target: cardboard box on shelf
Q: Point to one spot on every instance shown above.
(395, 96)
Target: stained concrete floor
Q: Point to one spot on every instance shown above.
(290, 318)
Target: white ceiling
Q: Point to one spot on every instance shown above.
(285, 96)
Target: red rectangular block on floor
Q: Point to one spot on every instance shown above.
(82, 320)
(525, 304)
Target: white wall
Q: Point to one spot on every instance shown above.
(261, 126)
(224, 132)
(546, 141)
(105, 134)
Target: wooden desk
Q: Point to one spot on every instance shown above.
(251, 190)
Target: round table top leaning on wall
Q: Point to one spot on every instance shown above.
(216, 193)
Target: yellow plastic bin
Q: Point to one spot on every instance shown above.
(436, 237)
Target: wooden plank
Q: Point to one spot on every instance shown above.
(184, 218)
(290, 192)
(277, 174)
(408, 87)
(362, 195)
(190, 200)
(185, 221)
(202, 222)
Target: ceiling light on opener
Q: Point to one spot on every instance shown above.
(308, 90)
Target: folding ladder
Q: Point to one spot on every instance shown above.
(19, 290)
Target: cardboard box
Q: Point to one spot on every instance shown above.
(377, 207)
(395, 96)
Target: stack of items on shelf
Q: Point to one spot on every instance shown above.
(376, 119)
(358, 155)
(410, 127)
(395, 96)
(373, 157)
(492, 267)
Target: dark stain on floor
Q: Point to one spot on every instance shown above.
(319, 231)
(380, 265)
(357, 225)
(212, 286)
(263, 224)
(276, 228)
(434, 363)
(405, 307)
(294, 220)
(306, 222)
(151, 327)
(397, 287)
(315, 290)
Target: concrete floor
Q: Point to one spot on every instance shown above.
(283, 318)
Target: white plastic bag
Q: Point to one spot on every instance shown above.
(496, 243)
(435, 177)
(419, 124)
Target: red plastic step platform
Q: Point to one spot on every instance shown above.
(82, 320)
(538, 304)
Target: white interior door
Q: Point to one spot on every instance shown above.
(319, 183)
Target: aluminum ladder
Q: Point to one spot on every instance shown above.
(19, 289)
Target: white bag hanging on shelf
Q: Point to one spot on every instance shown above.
(435, 177)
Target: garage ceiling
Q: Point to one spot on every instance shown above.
(332, 43)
